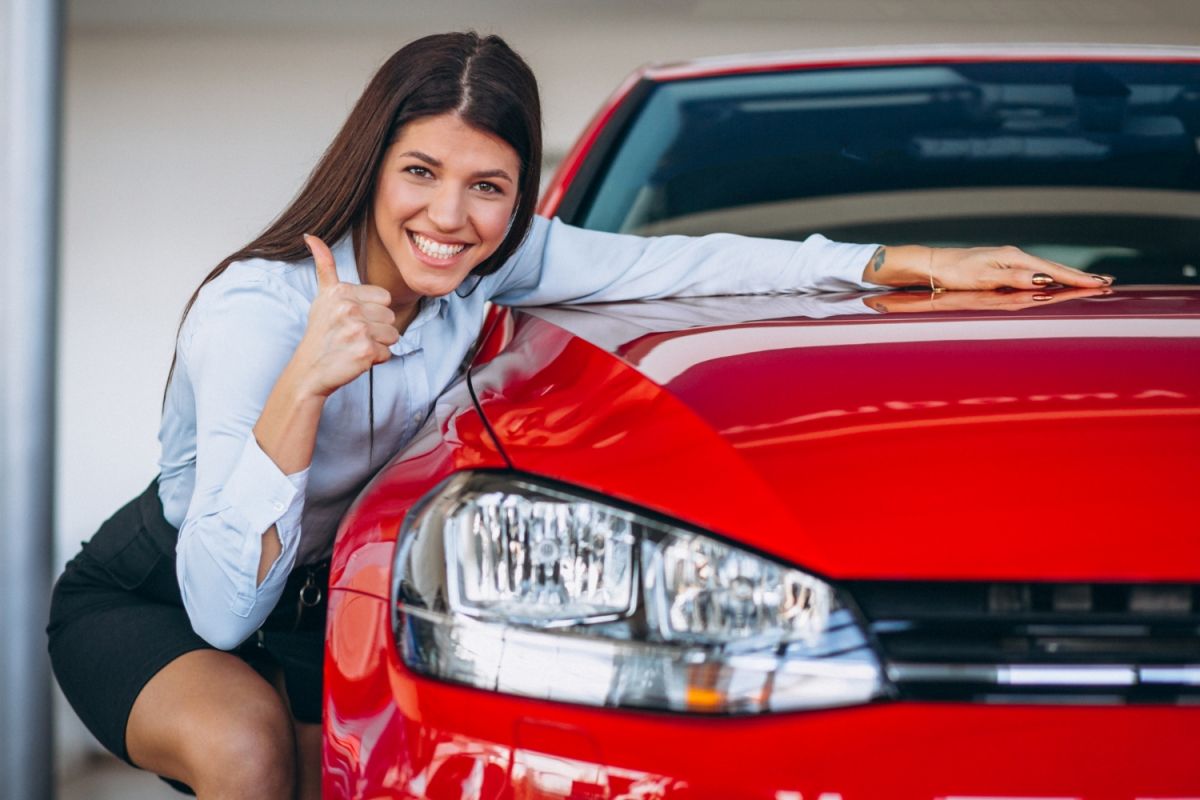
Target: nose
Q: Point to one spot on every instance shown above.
(447, 208)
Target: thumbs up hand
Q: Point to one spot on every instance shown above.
(350, 327)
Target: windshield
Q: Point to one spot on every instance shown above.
(1091, 164)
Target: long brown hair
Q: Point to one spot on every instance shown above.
(480, 79)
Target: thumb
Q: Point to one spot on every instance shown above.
(322, 256)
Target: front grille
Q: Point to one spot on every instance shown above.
(1056, 642)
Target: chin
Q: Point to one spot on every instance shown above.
(437, 288)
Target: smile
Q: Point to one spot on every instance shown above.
(435, 249)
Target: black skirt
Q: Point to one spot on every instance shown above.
(117, 618)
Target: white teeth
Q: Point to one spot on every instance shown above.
(436, 250)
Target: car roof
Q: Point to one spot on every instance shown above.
(910, 54)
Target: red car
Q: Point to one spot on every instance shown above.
(793, 548)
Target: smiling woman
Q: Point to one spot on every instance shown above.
(446, 196)
(188, 633)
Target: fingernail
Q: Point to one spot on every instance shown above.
(1041, 279)
(1106, 279)
(1043, 297)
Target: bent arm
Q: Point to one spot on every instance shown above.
(262, 362)
(286, 432)
(239, 538)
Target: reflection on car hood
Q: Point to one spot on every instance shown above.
(1059, 442)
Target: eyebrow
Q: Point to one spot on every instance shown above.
(433, 162)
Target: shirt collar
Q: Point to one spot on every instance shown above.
(427, 309)
(410, 340)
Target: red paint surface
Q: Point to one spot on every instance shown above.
(391, 734)
(454, 439)
(569, 410)
(1023, 458)
(928, 485)
(903, 56)
(368, 737)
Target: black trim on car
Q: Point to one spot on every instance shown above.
(579, 194)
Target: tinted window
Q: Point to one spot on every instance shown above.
(960, 153)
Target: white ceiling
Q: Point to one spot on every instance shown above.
(1179, 20)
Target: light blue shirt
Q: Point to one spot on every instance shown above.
(222, 492)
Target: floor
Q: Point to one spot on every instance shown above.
(106, 778)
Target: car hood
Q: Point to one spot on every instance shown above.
(1057, 443)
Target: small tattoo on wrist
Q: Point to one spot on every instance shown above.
(877, 259)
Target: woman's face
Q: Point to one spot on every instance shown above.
(445, 194)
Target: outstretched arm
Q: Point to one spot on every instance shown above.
(559, 263)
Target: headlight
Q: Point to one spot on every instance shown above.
(509, 586)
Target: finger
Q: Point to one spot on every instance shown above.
(381, 354)
(1061, 295)
(386, 335)
(1034, 276)
(1043, 297)
(1090, 278)
(1030, 271)
(920, 302)
(369, 293)
(373, 312)
(1067, 276)
(327, 276)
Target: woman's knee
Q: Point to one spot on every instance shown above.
(249, 750)
(209, 720)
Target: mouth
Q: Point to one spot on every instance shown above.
(435, 252)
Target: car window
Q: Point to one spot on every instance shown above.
(1091, 163)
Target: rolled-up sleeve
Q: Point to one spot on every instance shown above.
(237, 340)
(559, 263)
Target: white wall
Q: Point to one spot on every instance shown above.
(189, 125)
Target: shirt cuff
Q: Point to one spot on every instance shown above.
(842, 264)
(263, 495)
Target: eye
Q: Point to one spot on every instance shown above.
(488, 188)
(418, 171)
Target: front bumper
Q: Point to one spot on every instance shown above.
(392, 734)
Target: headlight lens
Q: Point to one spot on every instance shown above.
(506, 585)
(520, 558)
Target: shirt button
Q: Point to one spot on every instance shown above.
(277, 506)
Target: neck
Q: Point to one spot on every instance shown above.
(405, 315)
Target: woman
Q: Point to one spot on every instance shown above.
(188, 632)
